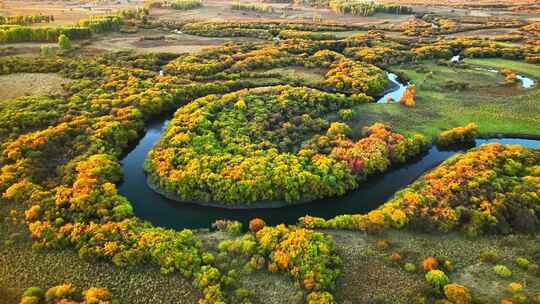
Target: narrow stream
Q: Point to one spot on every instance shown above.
(150, 206)
(396, 90)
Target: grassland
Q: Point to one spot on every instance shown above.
(494, 106)
(23, 84)
(369, 273)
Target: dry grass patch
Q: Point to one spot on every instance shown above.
(24, 84)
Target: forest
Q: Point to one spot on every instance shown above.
(290, 119)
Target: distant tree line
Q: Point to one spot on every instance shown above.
(83, 30)
(25, 20)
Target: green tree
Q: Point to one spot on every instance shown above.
(64, 43)
(45, 51)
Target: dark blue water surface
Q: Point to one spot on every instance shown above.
(160, 211)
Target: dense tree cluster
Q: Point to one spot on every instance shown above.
(307, 256)
(234, 61)
(267, 145)
(291, 34)
(18, 33)
(241, 148)
(355, 7)
(491, 189)
(259, 8)
(377, 55)
(102, 24)
(264, 30)
(367, 8)
(373, 47)
(25, 20)
(433, 25)
(180, 4)
(82, 30)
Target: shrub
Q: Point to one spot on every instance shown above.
(34, 292)
(437, 279)
(457, 294)
(510, 76)
(382, 245)
(459, 135)
(408, 97)
(346, 114)
(320, 298)
(256, 224)
(64, 291)
(395, 257)
(64, 43)
(409, 267)
(519, 298)
(30, 300)
(489, 257)
(231, 227)
(522, 263)
(448, 265)
(45, 50)
(502, 271)
(534, 269)
(184, 4)
(514, 288)
(96, 296)
(430, 263)
(338, 128)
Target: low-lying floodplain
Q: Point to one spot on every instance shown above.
(313, 152)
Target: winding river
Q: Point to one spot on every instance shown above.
(160, 211)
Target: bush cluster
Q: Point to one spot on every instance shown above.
(67, 293)
(458, 136)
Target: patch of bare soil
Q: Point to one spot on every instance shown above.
(24, 84)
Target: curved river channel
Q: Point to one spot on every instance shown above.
(160, 211)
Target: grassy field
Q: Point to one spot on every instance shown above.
(305, 75)
(17, 85)
(494, 106)
(517, 66)
(369, 274)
